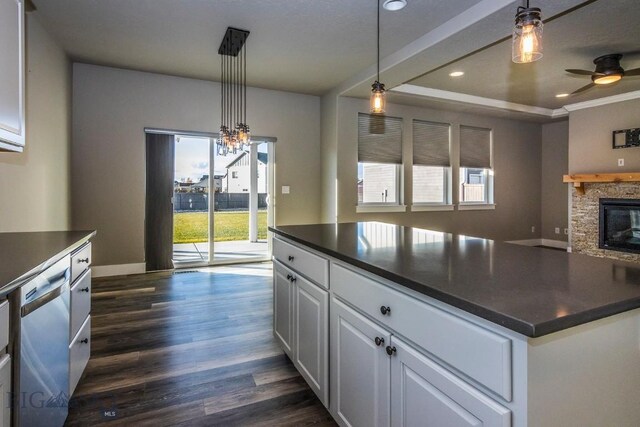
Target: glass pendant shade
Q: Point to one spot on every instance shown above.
(378, 98)
(527, 36)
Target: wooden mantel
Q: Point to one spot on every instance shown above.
(578, 180)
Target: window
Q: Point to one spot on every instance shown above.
(476, 175)
(431, 163)
(234, 174)
(379, 160)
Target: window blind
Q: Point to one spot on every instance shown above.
(431, 143)
(379, 139)
(475, 147)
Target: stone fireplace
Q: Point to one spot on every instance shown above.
(585, 219)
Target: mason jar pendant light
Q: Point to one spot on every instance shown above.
(378, 92)
(234, 130)
(527, 35)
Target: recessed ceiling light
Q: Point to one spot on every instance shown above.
(456, 74)
(394, 5)
(562, 95)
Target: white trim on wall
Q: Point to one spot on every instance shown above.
(542, 242)
(603, 101)
(118, 269)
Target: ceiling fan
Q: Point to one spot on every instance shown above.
(608, 70)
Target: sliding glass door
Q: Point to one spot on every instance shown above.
(221, 203)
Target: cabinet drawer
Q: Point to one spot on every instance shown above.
(481, 354)
(5, 390)
(4, 325)
(304, 262)
(80, 262)
(80, 302)
(79, 353)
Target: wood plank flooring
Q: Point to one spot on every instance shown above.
(190, 349)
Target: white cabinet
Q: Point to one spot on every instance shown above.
(283, 308)
(311, 335)
(79, 353)
(425, 394)
(360, 369)
(5, 391)
(12, 99)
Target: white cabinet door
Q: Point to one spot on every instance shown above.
(12, 109)
(283, 307)
(311, 335)
(425, 394)
(360, 369)
(5, 391)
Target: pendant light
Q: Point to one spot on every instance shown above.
(378, 91)
(234, 130)
(527, 35)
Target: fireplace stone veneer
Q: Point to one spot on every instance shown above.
(585, 212)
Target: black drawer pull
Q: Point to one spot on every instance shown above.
(379, 341)
(84, 341)
(84, 289)
(81, 260)
(390, 350)
(385, 310)
(291, 258)
(293, 279)
(289, 277)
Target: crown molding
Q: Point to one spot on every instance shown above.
(479, 100)
(603, 101)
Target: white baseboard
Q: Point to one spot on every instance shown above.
(117, 270)
(541, 242)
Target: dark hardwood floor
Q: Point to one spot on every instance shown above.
(190, 349)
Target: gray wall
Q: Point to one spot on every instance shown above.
(517, 165)
(111, 107)
(34, 185)
(555, 193)
(590, 138)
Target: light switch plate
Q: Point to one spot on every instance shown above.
(286, 189)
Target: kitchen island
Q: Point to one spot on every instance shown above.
(394, 325)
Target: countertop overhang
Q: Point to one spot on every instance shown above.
(532, 291)
(25, 255)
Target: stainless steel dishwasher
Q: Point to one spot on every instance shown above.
(43, 371)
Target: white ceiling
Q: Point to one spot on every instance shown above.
(570, 41)
(300, 46)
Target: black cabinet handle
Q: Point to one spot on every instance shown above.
(379, 341)
(83, 260)
(84, 289)
(390, 350)
(84, 341)
(293, 279)
(385, 310)
(290, 257)
(289, 277)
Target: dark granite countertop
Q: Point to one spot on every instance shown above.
(533, 291)
(25, 255)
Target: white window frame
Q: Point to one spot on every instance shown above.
(396, 206)
(445, 205)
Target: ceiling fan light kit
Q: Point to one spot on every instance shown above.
(526, 44)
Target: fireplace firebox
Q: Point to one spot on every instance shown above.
(620, 225)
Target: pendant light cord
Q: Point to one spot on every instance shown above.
(378, 45)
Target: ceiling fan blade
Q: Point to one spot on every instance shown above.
(583, 88)
(634, 72)
(581, 72)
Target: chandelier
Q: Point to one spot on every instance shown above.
(234, 130)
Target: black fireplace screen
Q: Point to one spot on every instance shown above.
(620, 225)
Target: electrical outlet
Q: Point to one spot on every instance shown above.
(286, 189)
(557, 230)
(533, 229)
(566, 231)
(620, 162)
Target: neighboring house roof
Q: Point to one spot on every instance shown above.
(262, 158)
(204, 183)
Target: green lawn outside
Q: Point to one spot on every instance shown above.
(192, 227)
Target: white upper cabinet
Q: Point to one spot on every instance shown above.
(12, 99)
